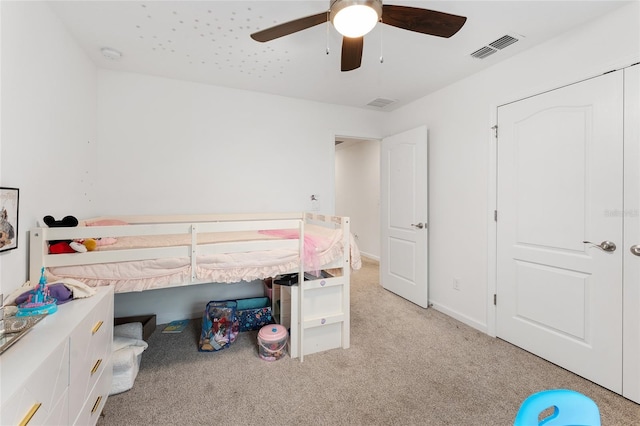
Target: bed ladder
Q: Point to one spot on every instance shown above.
(335, 288)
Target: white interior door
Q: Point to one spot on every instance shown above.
(560, 183)
(631, 246)
(403, 215)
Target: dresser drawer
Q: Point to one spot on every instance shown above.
(90, 344)
(94, 403)
(59, 415)
(41, 398)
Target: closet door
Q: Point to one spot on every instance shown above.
(560, 157)
(631, 246)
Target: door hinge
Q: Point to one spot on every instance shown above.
(495, 130)
(495, 299)
(495, 215)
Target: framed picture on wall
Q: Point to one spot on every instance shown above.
(8, 218)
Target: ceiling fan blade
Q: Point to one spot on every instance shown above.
(290, 27)
(423, 21)
(351, 53)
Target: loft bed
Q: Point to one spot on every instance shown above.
(151, 252)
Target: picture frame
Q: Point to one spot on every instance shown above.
(9, 198)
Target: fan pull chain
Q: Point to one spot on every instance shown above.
(327, 33)
(381, 44)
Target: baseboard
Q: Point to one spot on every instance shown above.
(460, 317)
(370, 256)
(167, 317)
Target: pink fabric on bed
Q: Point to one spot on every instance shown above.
(233, 267)
(106, 241)
(311, 261)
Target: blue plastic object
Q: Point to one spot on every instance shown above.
(569, 408)
(40, 301)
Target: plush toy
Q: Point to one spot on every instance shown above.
(73, 246)
(66, 222)
(63, 246)
(83, 246)
(90, 244)
(60, 247)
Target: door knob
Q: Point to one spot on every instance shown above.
(604, 246)
(419, 225)
(635, 249)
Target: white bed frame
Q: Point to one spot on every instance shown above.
(316, 311)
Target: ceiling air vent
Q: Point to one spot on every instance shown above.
(494, 46)
(380, 102)
(503, 42)
(483, 52)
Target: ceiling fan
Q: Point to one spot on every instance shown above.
(355, 18)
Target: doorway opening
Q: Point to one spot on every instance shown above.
(357, 190)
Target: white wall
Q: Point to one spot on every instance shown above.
(48, 124)
(178, 147)
(358, 192)
(459, 118)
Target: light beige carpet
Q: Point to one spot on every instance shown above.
(406, 366)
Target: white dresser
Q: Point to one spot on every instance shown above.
(60, 372)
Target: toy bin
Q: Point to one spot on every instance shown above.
(272, 342)
(254, 313)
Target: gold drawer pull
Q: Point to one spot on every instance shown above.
(95, 366)
(30, 414)
(96, 405)
(96, 327)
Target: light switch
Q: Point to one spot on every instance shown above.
(315, 203)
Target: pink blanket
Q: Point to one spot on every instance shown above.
(311, 260)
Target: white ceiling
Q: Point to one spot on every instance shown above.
(208, 42)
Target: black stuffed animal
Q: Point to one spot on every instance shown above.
(60, 246)
(66, 222)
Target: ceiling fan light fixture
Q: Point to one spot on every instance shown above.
(355, 18)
